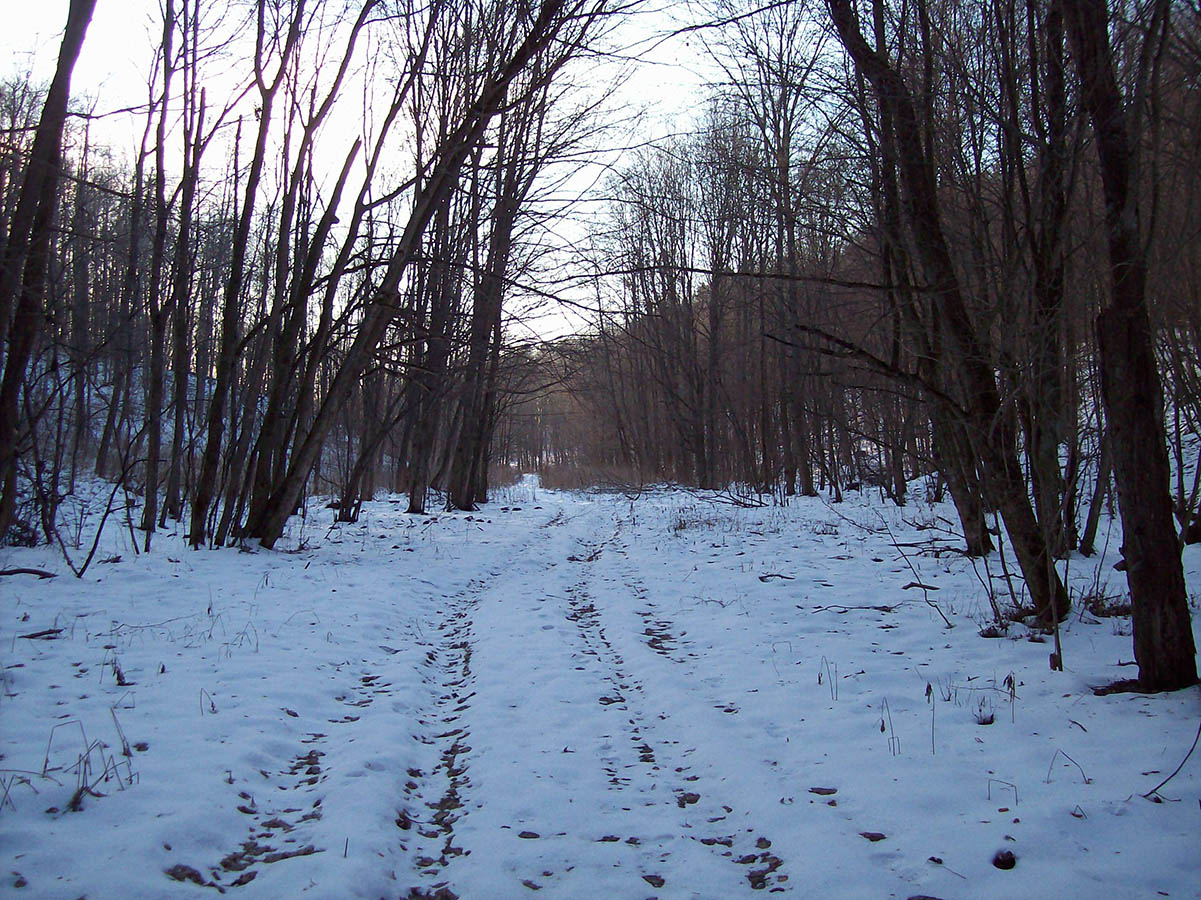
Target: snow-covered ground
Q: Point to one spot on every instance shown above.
(584, 696)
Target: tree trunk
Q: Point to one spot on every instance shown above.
(988, 429)
(183, 265)
(27, 250)
(957, 463)
(1130, 385)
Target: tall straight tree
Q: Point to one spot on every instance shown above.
(182, 266)
(158, 313)
(1130, 385)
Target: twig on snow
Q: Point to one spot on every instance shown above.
(46, 634)
(845, 609)
(1176, 771)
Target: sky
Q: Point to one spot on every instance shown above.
(115, 53)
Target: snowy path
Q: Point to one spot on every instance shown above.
(585, 743)
(579, 697)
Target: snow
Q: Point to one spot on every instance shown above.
(582, 695)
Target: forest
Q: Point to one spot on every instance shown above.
(907, 283)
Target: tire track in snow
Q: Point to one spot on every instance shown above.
(747, 847)
(436, 800)
(438, 795)
(537, 736)
(665, 819)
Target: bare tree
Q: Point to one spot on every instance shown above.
(989, 429)
(565, 24)
(268, 88)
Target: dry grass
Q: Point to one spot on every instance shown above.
(502, 476)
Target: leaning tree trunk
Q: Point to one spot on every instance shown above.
(206, 484)
(953, 454)
(989, 430)
(27, 250)
(443, 178)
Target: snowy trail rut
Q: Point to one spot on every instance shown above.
(550, 682)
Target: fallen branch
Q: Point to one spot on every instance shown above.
(844, 609)
(40, 573)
